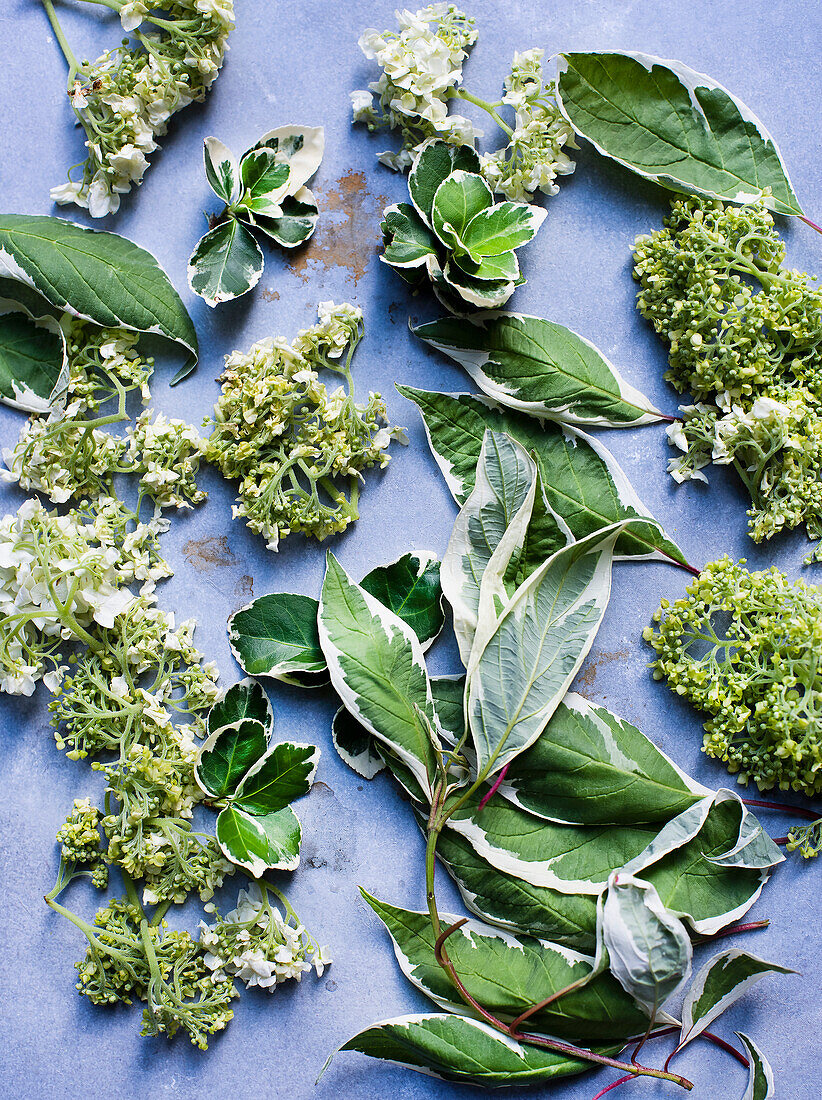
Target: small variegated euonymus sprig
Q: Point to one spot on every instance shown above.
(264, 191)
(253, 781)
(560, 823)
(453, 232)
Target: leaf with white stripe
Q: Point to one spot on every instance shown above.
(541, 368)
(355, 745)
(718, 985)
(377, 667)
(245, 699)
(34, 367)
(760, 1074)
(649, 950)
(221, 169)
(675, 126)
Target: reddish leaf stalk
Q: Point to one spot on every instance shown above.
(800, 811)
(613, 1085)
(808, 221)
(497, 784)
(736, 929)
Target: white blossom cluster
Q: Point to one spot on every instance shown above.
(168, 453)
(58, 576)
(534, 156)
(421, 65)
(257, 945)
(127, 96)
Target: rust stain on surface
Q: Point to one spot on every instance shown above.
(210, 553)
(348, 230)
(269, 295)
(244, 588)
(589, 673)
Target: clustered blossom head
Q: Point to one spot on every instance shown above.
(126, 97)
(256, 944)
(421, 65)
(745, 337)
(743, 648)
(79, 838)
(168, 453)
(288, 440)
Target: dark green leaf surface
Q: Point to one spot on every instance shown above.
(296, 223)
(259, 843)
(226, 263)
(760, 1074)
(245, 699)
(355, 745)
(284, 774)
(408, 241)
(228, 754)
(221, 169)
(262, 172)
(276, 635)
(410, 587)
(435, 163)
(458, 199)
(33, 369)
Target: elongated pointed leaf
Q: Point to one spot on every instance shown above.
(301, 147)
(99, 276)
(227, 754)
(760, 1075)
(434, 163)
(509, 973)
(283, 774)
(377, 667)
(221, 169)
(410, 587)
(518, 677)
(296, 222)
(276, 635)
(541, 368)
(457, 1048)
(649, 949)
(245, 699)
(582, 481)
(355, 745)
(260, 843)
(589, 767)
(719, 983)
(33, 360)
(674, 126)
(408, 240)
(226, 263)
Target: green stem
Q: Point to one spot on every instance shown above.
(68, 53)
(486, 106)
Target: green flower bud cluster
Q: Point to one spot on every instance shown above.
(806, 839)
(742, 647)
(80, 841)
(745, 339)
(291, 444)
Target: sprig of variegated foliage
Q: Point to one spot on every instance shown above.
(264, 192)
(125, 98)
(559, 822)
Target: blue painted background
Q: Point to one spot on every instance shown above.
(297, 62)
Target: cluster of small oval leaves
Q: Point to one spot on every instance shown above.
(454, 233)
(265, 192)
(49, 266)
(254, 781)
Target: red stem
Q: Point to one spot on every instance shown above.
(614, 1085)
(751, 926)
(808, 221)
(810, 815)
(497, 784)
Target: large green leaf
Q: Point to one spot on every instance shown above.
(489, 268)
(276, 635)
(509, 973)
(377, 667)
(581, 479)
(226, 263)
(760, 1074)
(434, 163)
(259, 843)
(523, 662)
(227, 754)
(33, 361)
(284, 773)
(100, 276)
(410, 587)
(589, 767)
(457, 1048)
(245, 699)
(541, 368)
(264, 174)
(459, 198)
(675, 126)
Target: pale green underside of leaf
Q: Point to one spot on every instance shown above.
(583, 483)
(259, 843)
(226, 263)
(100, 276)
(33, 363)
(540, 367)
(675, 126)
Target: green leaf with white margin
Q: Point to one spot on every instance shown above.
(484, 295)
(99, 276)
(355, 745)
(488, 268)
(296, 222)
(456, 1048)
(226, 755)
(523, 661)
(649, 950)
(264, 175)
(408, 241)
(377, 668)
(33, 359)
(719, 984)
(675, 126)
(301, 147)
(502, 228)
(410, 587)
(222, 170)
(436, 161)
(589, 767)
(276, 635)
(507, 974)
(258, 844)
(285, 773)
(541, 368)
(581, 479)
(245, 699)
(760, 1074)
(458, 200)
(226, 263)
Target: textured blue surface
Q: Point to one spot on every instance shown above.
(296, 62)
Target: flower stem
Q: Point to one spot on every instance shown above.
(68, 53)
(486, 106)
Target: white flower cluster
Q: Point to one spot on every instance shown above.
(257, 945)
(534, 156)
(59, 575)
(421, 65)
(168, 452)
(128, 95)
